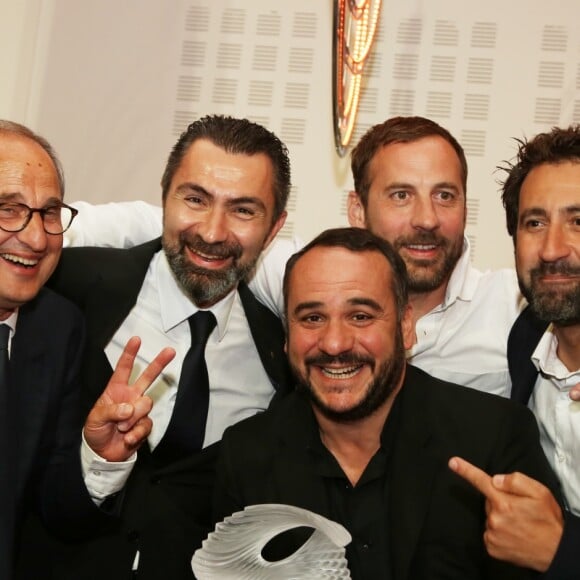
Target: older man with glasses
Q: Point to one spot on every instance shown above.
(41, 343)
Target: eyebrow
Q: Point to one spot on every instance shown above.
(405, 185)
(185, 188)
(373, 304)
(18, 198)
(540, 211)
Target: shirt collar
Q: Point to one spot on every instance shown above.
(545, 358)
(176, 306)
(462, 283)
(11, 322)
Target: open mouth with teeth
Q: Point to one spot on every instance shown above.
(209, 260)
(19, 261)
(341, 373)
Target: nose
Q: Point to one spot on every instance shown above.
(336, 337)
(33, 235)
(424, 214)
(213, 228)
(555, 244)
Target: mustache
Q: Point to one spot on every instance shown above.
(220, 250)
(349, 358)
(427, 238)
(554, 268)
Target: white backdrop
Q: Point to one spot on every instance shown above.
(112, 84)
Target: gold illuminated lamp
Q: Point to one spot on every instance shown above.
(355, 24)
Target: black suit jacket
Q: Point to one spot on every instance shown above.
(435, 519)
(523, 339)
(166, 510)
(42, 471)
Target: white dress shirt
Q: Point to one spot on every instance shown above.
(464, 339)
(558, 416)
(239, 385)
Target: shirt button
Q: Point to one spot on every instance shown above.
(561, 457)
(365, 546)
(96, 472)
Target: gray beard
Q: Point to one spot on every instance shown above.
(204, 287)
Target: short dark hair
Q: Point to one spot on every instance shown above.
(356, 240)
(397, 130)
(555, 146)
(237, 136)
(22, 131)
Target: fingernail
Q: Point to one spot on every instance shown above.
(498, 480)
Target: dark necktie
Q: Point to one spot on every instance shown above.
(186, 430)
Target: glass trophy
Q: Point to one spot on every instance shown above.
(233, 551)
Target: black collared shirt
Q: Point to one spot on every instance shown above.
(362, 509)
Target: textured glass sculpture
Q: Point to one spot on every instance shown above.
(234, 550)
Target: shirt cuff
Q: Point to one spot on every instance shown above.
(103, 478)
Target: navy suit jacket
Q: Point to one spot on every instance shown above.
(42, 470)
(166, 509)
(435, 520)
(523, 339)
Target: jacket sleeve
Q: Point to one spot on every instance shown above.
(566, 564)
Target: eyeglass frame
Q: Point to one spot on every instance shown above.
(42, 211)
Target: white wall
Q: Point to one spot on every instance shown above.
(112, 83)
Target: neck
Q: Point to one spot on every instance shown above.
(424, 302)
(4, 313)
(569, 346)
(354, 444)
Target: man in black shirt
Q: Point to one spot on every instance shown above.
(366, 439)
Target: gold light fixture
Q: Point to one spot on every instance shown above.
(355, 24)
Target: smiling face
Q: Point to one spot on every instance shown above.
(416, 202)
(345, 344)
(28, 257)
(218, 217)
(548, 242)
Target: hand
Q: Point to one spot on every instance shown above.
(524, 521)
(119, 421)
(575, 393)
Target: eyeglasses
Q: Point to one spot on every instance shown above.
(56, 219)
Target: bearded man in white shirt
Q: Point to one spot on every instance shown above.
(224, 192)
(542, 199)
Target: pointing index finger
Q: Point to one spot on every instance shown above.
(478, 478)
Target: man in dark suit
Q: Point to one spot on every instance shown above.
(225, 188)
(40, 418)
(366, 438)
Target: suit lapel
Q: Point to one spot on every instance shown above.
(116, 290)
(113, 293)
(414, 464)
(522, 341)
(268, 336)
(30, 386)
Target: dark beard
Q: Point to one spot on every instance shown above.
(379, 390)
(203, 286)
(424, 275)
(562, 307)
